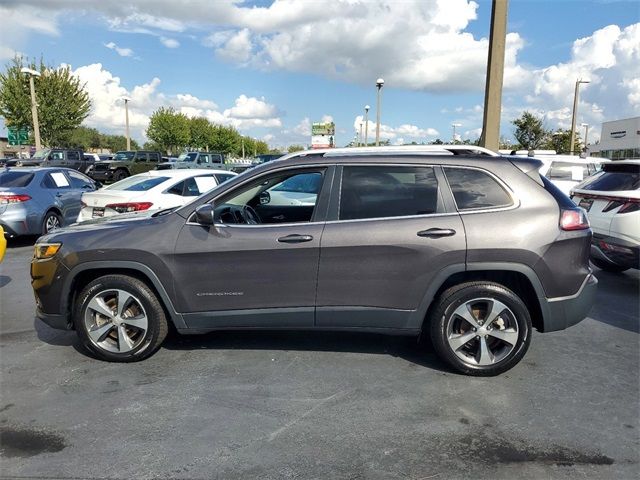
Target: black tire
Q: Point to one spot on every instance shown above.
(144, 343)
(445, 325)
(50, 221)
(608, 266)
(120, 174)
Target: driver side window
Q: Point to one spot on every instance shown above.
(289, 197)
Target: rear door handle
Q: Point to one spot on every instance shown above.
(295, 239)
(436, 232)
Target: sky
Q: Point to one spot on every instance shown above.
(272, 68)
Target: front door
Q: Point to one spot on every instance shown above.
(391, 236)
(252, 268)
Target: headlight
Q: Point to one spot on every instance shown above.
(46, 250)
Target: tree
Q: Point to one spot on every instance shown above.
(169, 129)
(115, 143)
(295, 148)
(85, 138)
(200, 130)
(530, 132)
(560, 141)
(225, 140)
(62, 101)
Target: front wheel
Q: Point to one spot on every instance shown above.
(120, 174)
(480, 328)
(119, 319)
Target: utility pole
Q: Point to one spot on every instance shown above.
(34, 104)
(576, 95)
(586, 134)
(366, 125)
(126, 118)
(360, 136)
(379, 84)
(490, 137)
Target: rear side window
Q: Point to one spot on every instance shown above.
(73, 155)
(223, 177)
(15, 179)
(387, 191)
(614, 177)
(474, 189)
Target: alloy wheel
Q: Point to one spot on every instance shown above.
(482, 331)
(116, 321)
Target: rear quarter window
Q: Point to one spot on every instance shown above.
(475, 189)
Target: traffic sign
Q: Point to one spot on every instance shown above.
(17, 136)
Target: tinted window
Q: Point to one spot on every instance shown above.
(137, 184)
(204, 158)
(476, 189)
(223, 177)
(56, 156)
(177, 189)
(154, 157)
(122, 156)
(73, 155)
(614, 177)
(216, 158)
(79, 181)
(55, 180)
(387, 191)
(15, 179)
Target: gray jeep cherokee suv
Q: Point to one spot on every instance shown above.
(474, 251)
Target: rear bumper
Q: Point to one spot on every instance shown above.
(615, 250)
(563, 312)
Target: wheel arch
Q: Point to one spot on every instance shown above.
(84, 273)
(521, 279)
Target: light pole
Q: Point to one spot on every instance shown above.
(454, 125)
(366, 125)
(576, 94)
(379, 84)
(34, 105)
(126, 118)
(586, 134)
(360, 137)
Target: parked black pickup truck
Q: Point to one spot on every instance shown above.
(58, 157)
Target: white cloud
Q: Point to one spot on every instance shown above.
(169, 42)
(303, 128)
(107, 114)
(402, 132)
(123, 52)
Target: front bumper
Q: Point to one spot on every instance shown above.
(47, 280)
(102, 175)
(562, 312)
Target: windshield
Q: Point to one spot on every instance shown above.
(41, 153)
(124, 156)
(137, 183)
(187, 157)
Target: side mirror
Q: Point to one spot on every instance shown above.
(205, 214)
(265, 198)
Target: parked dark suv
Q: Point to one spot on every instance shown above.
(124, 164)
(471, 250)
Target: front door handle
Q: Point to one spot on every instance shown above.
(295, 239)
(437, 232)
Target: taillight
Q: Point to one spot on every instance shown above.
(573, 219)
(129, 207)
(11, 198)
(632, 205)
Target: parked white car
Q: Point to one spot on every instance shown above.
(567, 171)
(153, 190)
(612, 201)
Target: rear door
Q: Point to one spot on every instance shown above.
(391, 234)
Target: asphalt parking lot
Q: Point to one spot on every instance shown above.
(301, 405)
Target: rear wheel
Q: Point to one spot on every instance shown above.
(120, 175)
(480, 328)
(608, 266)
(119, 319)
(51, 221)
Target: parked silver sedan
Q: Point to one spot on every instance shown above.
(34, 201)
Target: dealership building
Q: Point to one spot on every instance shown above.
(620, 139)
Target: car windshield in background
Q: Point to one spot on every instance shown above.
(41, 153)
(187, 157)
(124, 156)
(15, 179)
(615, 177)
(137, 184)
(568, 171)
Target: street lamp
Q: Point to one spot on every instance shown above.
(586, 133)
(454, 125)
(34, 105)
(366, 125)
(575, 110)
(126, 117)
(360, 137)
(379, 84)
